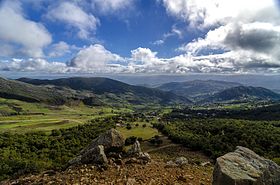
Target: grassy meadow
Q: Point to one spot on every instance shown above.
(22, 117)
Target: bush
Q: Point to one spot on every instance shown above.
(128, 126)
(144, 125)
(34, 152)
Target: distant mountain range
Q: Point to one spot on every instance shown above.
(218, 91)
(197, 89)
(246, 93)
(115, 90)
(104, 91)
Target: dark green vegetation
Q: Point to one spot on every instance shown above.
(37, 151)
(108, 88)
(216, 133)
(265, 112)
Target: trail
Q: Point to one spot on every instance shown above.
(162, 147)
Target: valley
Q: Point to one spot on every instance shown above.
(45, 123)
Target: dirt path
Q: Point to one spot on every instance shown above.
(161, 147)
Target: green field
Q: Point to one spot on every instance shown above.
(22, 117)
(139, 131)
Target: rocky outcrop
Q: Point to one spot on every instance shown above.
(244, 167)
(135, 149)
(95, 156)
(108, 149)
(137, 155)
(112, 140)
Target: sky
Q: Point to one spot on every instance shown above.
(140, 36)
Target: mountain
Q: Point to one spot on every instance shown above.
(243, 93)
(197, 89)
(12, 89)
(113, 89)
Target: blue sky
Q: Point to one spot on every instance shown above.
(140, 36)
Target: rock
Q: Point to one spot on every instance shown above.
(181, 161)
(171, 164)
(112, 140)
(244, 167)
(205, 164)
(95, 156)
(132, 161)
(131, 181)
(144, 157)
(135, 149)
(75, 161)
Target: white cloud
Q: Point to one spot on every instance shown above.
(20, 35)
(174, 32)
(241, 35)
(30, 65)
(206, 13)
(61, 48)
(74, 16)
(111, 6)
(94, 58)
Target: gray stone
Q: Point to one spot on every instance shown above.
(171, 164)
(144, 157)
(181, 161)
(244, 167)
(135, 149)
(112, 140)
(95, 156)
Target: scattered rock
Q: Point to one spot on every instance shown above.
(145, 157)
(132, 160)
(130, 181)
(171, 164)
(181, 161)
(135, 149)
(244, 167)
(204, 164)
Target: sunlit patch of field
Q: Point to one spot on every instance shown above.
(145, 132)
(22, 117)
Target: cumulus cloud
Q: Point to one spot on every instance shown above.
(94, 58)
(30, 65)
(241, 35)
(97, 59)
(20, 35)
(75, 17)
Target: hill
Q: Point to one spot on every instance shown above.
(11, 89)
(197, 89)
(243, 93)
(119, 90)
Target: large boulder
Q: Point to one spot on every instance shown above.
(244, 167)
(112, 140)
(95, 156)
(96, 152)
